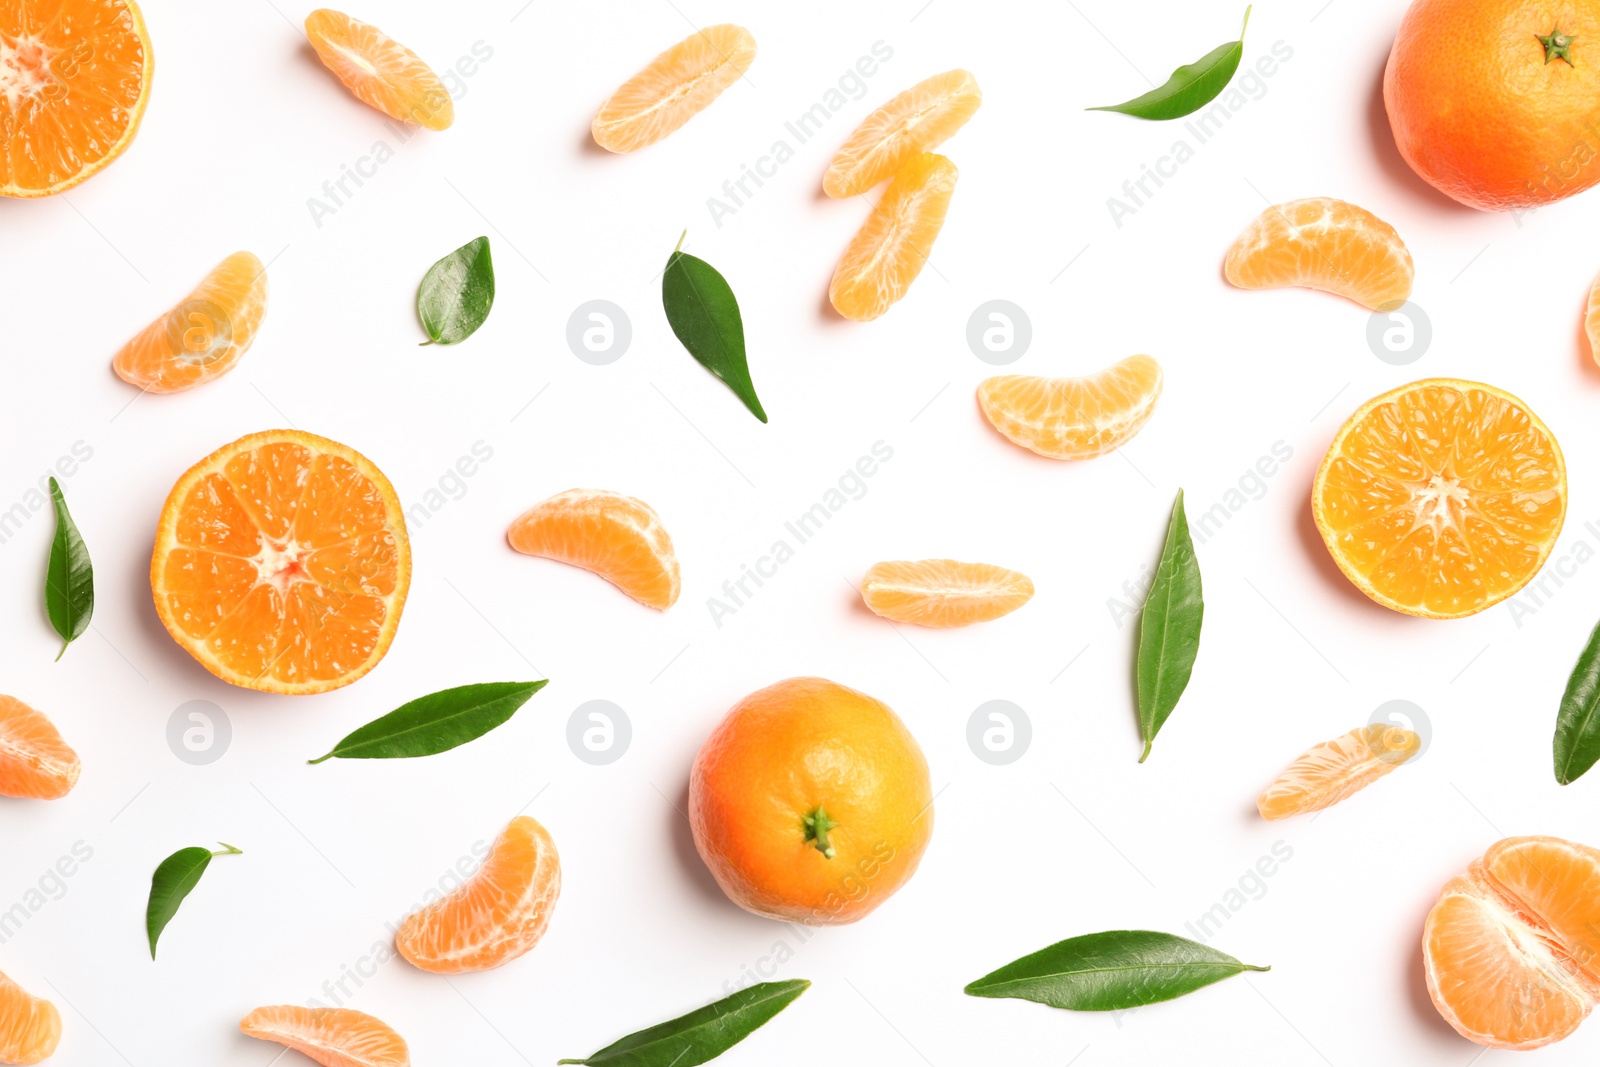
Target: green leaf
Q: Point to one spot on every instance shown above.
(703, 313)
(703, 1034)
(1191, 87)
(456, 294)
(1577, 742)
(174, 880)
(69, 577)
(437, 722)
(1169, 629)
(1111, 971)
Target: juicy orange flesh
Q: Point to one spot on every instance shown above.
(617, 537)
(674, 87)
(34, 761)
(381, 72)
(1335, 769)
(1074, 418)
(202, 336)
(943, 592)
(894, 244)
(30, 1028)
(1323, 244)
(72, 80)
(333, 1037)
(1560, 883)
(1444, 499)
(918, 120)
(1591, 322)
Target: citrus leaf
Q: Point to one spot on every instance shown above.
(703, 1034)
(174, 880)
(69, 576)
(1577, 741)
(456, 293)
(704, 315)
(1169, 629)
(1191, 87)
(1111, 971)
(437, 722)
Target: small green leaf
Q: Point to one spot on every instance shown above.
(69, 576)
(1577, 742)
(437, 722)
(1191, 87)
(1111, 971)
(174, 880)
(457, 293)
(1169, 630)
(703, 1034)
(704, 315)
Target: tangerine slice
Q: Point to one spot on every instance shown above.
(1324, 244)
(282, 563)
(30, 1026)
(333, 1037)
(381, 72)
(1073, 418)
(1591, 322)
(201, 337)
(1334, 770)
(920, 119)
(673, 88)
(1441, 498)
(497, 915)
(890, 249)
(944, 592)
(75, 79)
(617, 537)
(34, 761)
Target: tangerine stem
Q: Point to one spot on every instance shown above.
(679, 246)
(228, 850)
(817, 825)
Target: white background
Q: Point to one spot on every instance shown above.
(244, 125)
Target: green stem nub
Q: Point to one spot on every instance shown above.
(817, 825)
(1557, 45)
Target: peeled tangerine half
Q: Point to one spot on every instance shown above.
(918, 120)
(497, 915)
(333, 1037)
(1073, 418)
(673, 88)
(30, 1027)
(201, 337)
(944, 592)
(1512, 949)
(1441, 498)
(34, 762)
(890, 249)
(381, 72)
(1324, 244)
(617, 537)
(1335, 769)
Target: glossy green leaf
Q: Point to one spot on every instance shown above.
(173, 881)
(704, 315)
(69, 576)
(1191, 87)
(437, 722)
(457, 293)
(703, 1034)
(1169, 629)
(1111, 971)
(1577, 742)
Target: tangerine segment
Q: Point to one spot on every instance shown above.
(673, 88)
(944, 592)
(333, 1037)
(74, 79)
(1441, 498)
(201, 337)
(1074, 418)
(380, 71)
(30, 1026)
(497, 915)
(282, 563)
(1335, 769)
(34, 761)
(617, 537)
(1324, 244)
(890, 249)
(918, 120)
(1591, 322)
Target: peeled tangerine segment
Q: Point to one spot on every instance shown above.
(381, 72)
(918, 120)
(943, 592)
(1335, 769)
(1591, 322)
(673, 88)
(617, 537)
(1511, 951)
(34, 762)
(1324, 244)
(890, 249)
(333, 1037)
(30, 1027)
(497, 915)
(1073, 418)
(201, 337)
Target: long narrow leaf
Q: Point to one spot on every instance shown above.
(437, 722)
(69, 576)
(1169, 630)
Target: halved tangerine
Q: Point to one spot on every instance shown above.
(893, 245)
(380, 71)
(943, 592)
(34, 761)
(30, 1026)
(673, 88)
(920, 119)
(1326, 244)
(1073, 418)
(201, 337)
(618, 537)
(333, 1037)
(1333, 770)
